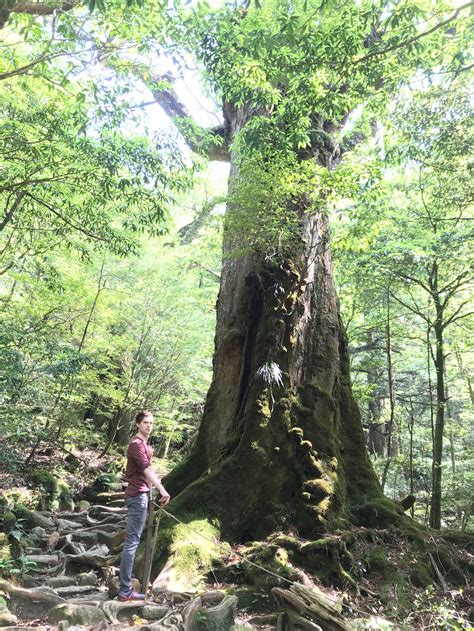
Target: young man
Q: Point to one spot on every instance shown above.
(140, 476)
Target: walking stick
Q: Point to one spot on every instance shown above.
(150, 547)
(148, 544)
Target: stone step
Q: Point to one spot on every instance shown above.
(74, 590)
(67, 525)
(43, 559)
(117, 503)
(37, 551)
(97, 597)
(101, 510)
(88, 537)
(60, 581)
(22, 628)
(73, 516)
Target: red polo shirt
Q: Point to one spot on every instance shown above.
(139, 455)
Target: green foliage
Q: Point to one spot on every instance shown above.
(73, 188)
(402, 243)
(442, 613)
(294, 63)
(16, 567)
(264, 191)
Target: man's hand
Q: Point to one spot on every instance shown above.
(165, 497)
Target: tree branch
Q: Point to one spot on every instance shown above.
(413, 280)
(414, 310)
(461, 279)
(39, 8)
(415, 38)
(68, 222)
(9, 213)
(169, 101)
(454, 317)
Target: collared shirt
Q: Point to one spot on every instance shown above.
(139, 455)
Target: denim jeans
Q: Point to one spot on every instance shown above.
(136, 517)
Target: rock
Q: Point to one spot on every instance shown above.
(9, 521)
(7, 618)
(66, 524)
(108, 538)
(266, 620)
(100, 550)
(90, 599)
(33, 519)
(38, 533)
(154, 612)
(87, 578)
(221, 616)
(34, 551)
(76, 614)
(43, 589)
(43, 559)
(114, 583)
(89, 538)
(60, 581)
(171, 579)
(72, 590)
(29, 581)
(212, 598)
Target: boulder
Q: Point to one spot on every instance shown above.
(87, 578)
(74, 590)
(7, 618)
(76, 614)
(67, 524)
(60, 581)
(33, 519)
(154, 612)
(38, 533)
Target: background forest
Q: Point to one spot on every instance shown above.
(113, 188)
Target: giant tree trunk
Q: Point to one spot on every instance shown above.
(271, 454)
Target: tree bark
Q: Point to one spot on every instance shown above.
(439, 362)
(391, 391)
(270, 453)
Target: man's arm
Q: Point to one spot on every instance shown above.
(151, 476)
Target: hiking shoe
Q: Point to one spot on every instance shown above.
(125, 598)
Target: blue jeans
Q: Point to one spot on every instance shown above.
(136, 517)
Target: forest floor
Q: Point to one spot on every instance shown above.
(388, 578)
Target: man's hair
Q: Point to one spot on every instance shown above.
(141, 415)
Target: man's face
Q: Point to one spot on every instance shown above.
(145, 426)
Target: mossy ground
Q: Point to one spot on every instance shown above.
(386, 570)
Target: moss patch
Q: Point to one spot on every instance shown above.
(420, 575)
(192, 546)
(444, 557)
(378, 513)
(377, 561)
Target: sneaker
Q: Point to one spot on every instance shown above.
(125, 598)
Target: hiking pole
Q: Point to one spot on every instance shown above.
(153, 545)
(148, 544)
(150, 550)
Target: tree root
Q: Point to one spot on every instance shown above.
(30, 594)
(309, 608)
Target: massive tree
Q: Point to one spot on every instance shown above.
(281, 440)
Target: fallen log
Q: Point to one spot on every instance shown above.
(309, 609)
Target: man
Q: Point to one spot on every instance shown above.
(140, 477)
